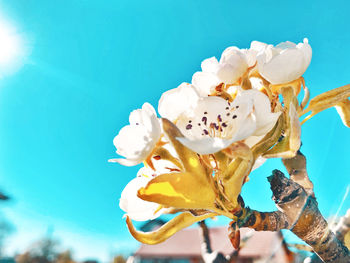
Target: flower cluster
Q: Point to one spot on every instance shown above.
(237, 112)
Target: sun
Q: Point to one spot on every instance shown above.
(9, 45)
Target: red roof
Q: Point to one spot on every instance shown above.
(187, 243)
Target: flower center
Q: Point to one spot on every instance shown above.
(215, 125)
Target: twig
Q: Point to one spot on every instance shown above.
(296, 168)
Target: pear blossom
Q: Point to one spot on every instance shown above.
(215, 123)
(232, 65)
(253, 51)
(285, 62)
(136, 141)
(175, 101)
(136, 208)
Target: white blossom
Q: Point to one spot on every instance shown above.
(232, 65)
(285, 62)
(136, 141)
(215, 123)
(175, 101)
(136, 208)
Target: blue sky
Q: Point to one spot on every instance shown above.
(89, 63)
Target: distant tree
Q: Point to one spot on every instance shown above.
(119, 259)
(5, 227)
(65, 257)
(24, 258)
(44, 251)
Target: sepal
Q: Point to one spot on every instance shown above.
(167, 230)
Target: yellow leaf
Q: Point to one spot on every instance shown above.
(180, 190)
(290, 144)
(233, 179)
(170, 228)
(326, 100)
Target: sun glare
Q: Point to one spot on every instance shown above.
(14, 49)
(9, 45)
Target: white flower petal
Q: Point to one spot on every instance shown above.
(209, 65)
(135, 117)
(283, 68)
(132, 141)
(136, 141)
(307, 51)
(257, 46)
(125, 162)
(265, 119)
(246, 129)
(285, 62)
(136, 208)
(233, 64)
(205, 83)
(175, 101)
(205, 145)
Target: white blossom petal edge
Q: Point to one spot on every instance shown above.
(137, 140)
(285, 62)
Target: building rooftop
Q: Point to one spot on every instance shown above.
(187, 243)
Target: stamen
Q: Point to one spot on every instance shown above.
(205, 132)
(219, 118)
(189, 127)
(234, 116)
(204, 119)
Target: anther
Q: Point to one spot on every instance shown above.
(189, 126)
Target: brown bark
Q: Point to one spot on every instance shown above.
(296, 168)
(298, 212)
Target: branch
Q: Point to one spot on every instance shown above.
(298, 211)
(339, 230)
(296, 168)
